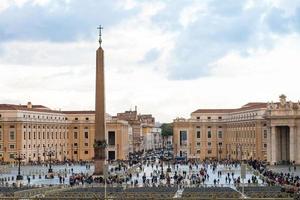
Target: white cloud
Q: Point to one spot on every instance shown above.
(262, 75)
(289, 6)
(4, 5)
(192, 12)
(47, 53)
(61, 75)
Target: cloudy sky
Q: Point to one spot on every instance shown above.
(168, 57)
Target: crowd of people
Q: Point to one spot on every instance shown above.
(271, 177)
(148, 169)
(132, 172)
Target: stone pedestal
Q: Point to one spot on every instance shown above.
(19, 177)
(99, 167)
(19, 183)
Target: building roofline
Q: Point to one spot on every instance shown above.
(248, 106)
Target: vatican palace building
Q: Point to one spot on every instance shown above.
(263, 131)
(35, 131)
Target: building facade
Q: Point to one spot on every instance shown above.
(35, 131)
(284, 128)
(142, 128)
(263, 131)
(157, 140)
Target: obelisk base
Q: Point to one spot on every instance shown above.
(99, 167)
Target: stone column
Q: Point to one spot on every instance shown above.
(273, 145)
(297, 132)
(282, 147)
(269, 145)
(292, 143)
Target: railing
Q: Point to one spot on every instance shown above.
(275, 112)
(219, 120)
(138, 197)
(36, 191)
(60, 192)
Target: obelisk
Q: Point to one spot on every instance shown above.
(100, 142)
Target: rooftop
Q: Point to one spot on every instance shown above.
(248, 106)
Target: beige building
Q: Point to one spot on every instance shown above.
(34, 131)
(142, 126)
(261, 131)
(284, 128)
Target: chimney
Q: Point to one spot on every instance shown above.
(29, 105)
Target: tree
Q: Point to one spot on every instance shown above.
(166, 129)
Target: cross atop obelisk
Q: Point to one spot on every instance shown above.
(100, 34)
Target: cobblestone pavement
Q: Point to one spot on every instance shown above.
(29, 171)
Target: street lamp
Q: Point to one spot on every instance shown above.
(19, 159)
(72, 152)
(239, 150)
(190, 149)
(220, 150)
(50, 170)
(44, 153)
(56, 151)
(38, 154)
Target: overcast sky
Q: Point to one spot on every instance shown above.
(168, 57)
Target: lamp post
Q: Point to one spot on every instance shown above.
(38, 154)
(239, 150)
(50, 154)
(217, 150)
(220, 151)
(50, 170)
(19, 159)
(190, 151)
(72, 152)
(105, 177)
(56, 151)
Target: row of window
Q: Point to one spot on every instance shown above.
(209, 144)
(51, 117)
(47, 127)
(234, 117)
(44, 117)
(209, 118)
(52, 135)
(52, 145)
(243, 116)
(209, 151)
(11, 146)
(34, 155)
(198, 134)
(12, 136)
(238, 134)
(208, 127)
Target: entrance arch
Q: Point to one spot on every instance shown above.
(283, 144)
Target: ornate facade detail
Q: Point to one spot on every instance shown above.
(282, 100)
(99, 147)
(100, 144)
(283, 104)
